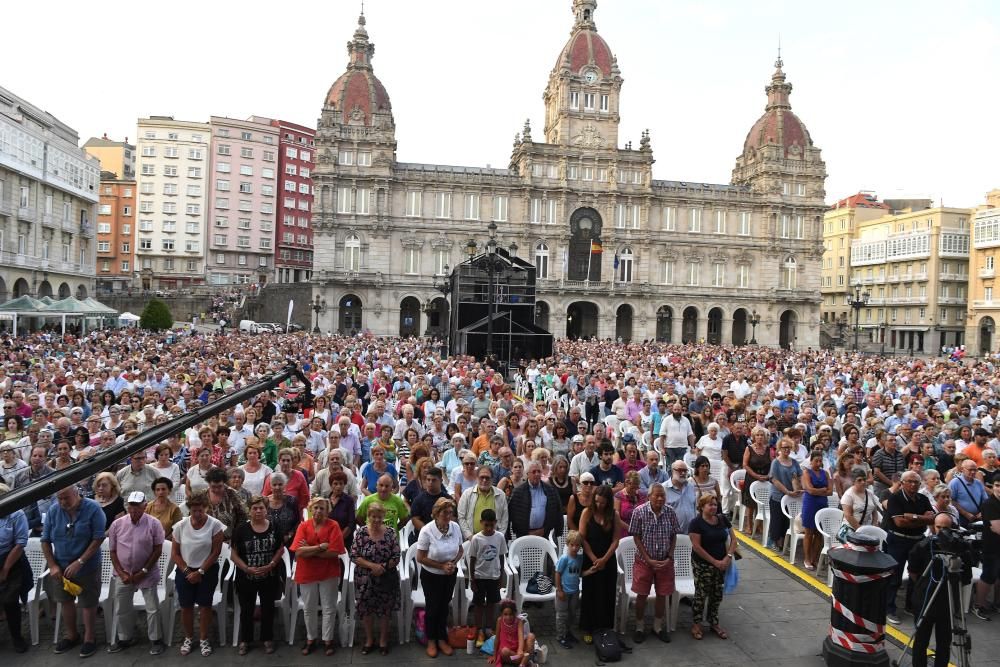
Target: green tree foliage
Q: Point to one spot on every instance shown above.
(156, 316)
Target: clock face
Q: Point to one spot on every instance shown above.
(590, 76)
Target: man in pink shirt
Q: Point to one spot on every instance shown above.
(135, 542)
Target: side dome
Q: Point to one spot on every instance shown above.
(358, 94)
(778, 126)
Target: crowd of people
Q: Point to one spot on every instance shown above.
(400, 446)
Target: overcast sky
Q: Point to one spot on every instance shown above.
(902, 97)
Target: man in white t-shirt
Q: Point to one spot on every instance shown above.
(676, 435)
(585, 460)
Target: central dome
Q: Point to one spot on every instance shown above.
(585, 47)
(357, 95)
(778, 126)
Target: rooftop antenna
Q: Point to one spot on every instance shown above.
(779, 63)
(363, 13)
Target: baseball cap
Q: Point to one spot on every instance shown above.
(136, 497)
(628, 437)
(578, 438)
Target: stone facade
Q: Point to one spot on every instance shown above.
(618, 253)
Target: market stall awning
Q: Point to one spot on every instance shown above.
(23, 304)
(97, 305)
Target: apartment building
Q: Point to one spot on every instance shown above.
(243, 198)
(984, 307)
(839, 227)
(914, 264)
(116, 234)
(48, 202)
(117, 157)
(172, 201)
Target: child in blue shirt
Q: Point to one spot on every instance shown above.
(568, 570)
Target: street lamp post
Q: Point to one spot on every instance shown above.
(754, 321)
(857, 302)
(318, 306)
(492, 266)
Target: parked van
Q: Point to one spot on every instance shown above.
(248, 326)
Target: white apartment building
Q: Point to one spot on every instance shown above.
(48, 205)
(173, 179)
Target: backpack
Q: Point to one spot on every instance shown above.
(608, 646)
(420, 626)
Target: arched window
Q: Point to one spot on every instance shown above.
(352, 253)
(541, 260)
(789, 271)
(625, 265)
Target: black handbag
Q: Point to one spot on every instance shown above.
(387, 582)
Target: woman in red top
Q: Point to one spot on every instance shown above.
(318, 544)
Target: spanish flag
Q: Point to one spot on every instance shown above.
(595, 248)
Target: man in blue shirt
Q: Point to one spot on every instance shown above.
(606, 472)
(71, 542)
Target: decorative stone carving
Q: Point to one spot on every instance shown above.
(412, 242)
(589, 137)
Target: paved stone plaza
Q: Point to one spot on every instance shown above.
(774, 620)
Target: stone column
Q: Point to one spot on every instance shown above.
(676, 328)
(702, 329)
(726, 335)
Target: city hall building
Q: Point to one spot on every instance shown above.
(617, 253)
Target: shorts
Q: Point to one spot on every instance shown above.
(487, 592)
(991, 569)
(88, 598)
(644, 578)
(201, 594)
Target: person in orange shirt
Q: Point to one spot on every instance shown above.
(486, 430)
(974, 450)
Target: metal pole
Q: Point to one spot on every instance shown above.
(490, 305)
(857, 323)
(20, 498)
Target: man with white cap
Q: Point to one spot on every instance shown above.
(135, 542)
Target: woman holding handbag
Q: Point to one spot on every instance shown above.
(375, 552)
(712, 548)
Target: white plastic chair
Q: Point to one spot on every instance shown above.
(791, 507)
(873, 531)
(559, 539)
(625, 557)
(281, 605)
(462, 598)
(164, 591)
(526, 556)
(739, 511)
(683, 577)
(226, 573)
(345, 627)
(761, 494)
(414, 590)
(828, 521)
(37, 595)
(404, 535)
(833, 500)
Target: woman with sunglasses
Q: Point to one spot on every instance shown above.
(579, 501)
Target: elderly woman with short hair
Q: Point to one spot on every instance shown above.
(318, 544)
(282, 509)
(439, 548)
(376, 554)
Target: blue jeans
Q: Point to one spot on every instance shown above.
(672, 454)
(899, 548)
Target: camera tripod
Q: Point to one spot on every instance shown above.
(948, 584)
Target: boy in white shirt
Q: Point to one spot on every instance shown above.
(486, 552)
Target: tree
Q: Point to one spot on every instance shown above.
(156, 316)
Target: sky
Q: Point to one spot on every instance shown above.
(901, 96)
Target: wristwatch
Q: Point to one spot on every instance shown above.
(144, 571)
(201, 572)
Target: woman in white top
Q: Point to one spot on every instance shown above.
(197, 544)
(710, 444)
(195, 480)
(255, 473)
(439, 548)
(859, 503)
(165, 467)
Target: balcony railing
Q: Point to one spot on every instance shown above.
(987, 273)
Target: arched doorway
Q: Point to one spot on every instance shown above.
(715, 326)
(64, 291)
(350, 309)
(21, 287)
(44, 289)
(3, 291)
(437, 318)
(581, 320)
(409, 317)
(623, 323)
(986, 329)
(81, 292)
(740, 336)
(664, 323)
(786, 331)
(585, 245)
(542, 315)
(689, 327)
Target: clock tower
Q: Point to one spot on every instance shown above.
(581, 98)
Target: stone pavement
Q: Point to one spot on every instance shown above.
(773, 619)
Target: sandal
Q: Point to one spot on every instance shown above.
(308, 647)
(367, 648)
(717, 629)
(383, 650)
(206, 648)
(329, 648)
(186, 645)
(696, 631)
(243, 649)
(268, 648)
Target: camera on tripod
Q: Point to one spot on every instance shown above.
(960, 541)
